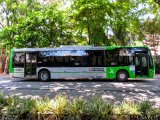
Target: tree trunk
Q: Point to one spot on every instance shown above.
(1, 65)
(3, 62)
(6, 68)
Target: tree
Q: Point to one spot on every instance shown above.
(152, 33)
(35, 25)
(90, 20)
(157, 1)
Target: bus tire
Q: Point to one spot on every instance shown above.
(44, 75)
(122, 76)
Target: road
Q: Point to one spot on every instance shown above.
(133, 90)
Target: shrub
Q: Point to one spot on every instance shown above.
(98, 109)
(61, 108)
(27, 108)
(127, 108)
(13, 105)
(2, 101)
(146, 109)
(76, 109)
(42, 108)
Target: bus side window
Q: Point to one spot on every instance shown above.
(100, 60)
(59, 61)
(94, 60)
(111, 57)
(97, 58)
(18, 60)
(81, 61)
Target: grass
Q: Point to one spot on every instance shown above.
(61, 108)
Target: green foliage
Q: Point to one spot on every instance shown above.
(27, 108)
(35, 25)
(2, 101)
(61, 108)
(13, 105)
(146, 107)
(42, 106)
(90, 19)
(152, 26)
(77, 109)
(128, 108)
(32, 23)
(98, 109)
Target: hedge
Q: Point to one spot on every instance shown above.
(63, 108)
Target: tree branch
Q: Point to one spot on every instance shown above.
(1, 25)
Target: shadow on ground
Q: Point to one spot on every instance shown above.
(133, 90)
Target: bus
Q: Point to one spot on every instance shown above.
(76, 62)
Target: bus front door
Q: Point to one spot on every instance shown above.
(141, 64)
(30, 65)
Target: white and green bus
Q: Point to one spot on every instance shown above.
(75, 62)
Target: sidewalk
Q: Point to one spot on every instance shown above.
(157, 76)
(4, 77)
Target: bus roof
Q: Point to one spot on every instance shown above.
(75, 48)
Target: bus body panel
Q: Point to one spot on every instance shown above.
(11, 69)
(75, 72)
(18, 72)
(112, 71)
(151, 73)
(90, 72)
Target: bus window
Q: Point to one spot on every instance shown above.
(131, 60)
(59, 61)
(111, 58)
(137, 61)
(81, 61)
(126, 60)
(68, 61)
(126, 56)
(97, 58)
(18, 60)
(30, 58)
(94, 58)
(144, 61)
(43, 60)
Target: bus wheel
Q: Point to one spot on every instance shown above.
(122, 76)
(44, 75)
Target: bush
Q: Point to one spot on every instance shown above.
(98, 109)
(61, 108)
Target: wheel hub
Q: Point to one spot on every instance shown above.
(44, 76)
(122, 76)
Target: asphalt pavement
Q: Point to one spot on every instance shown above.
(133, 90)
